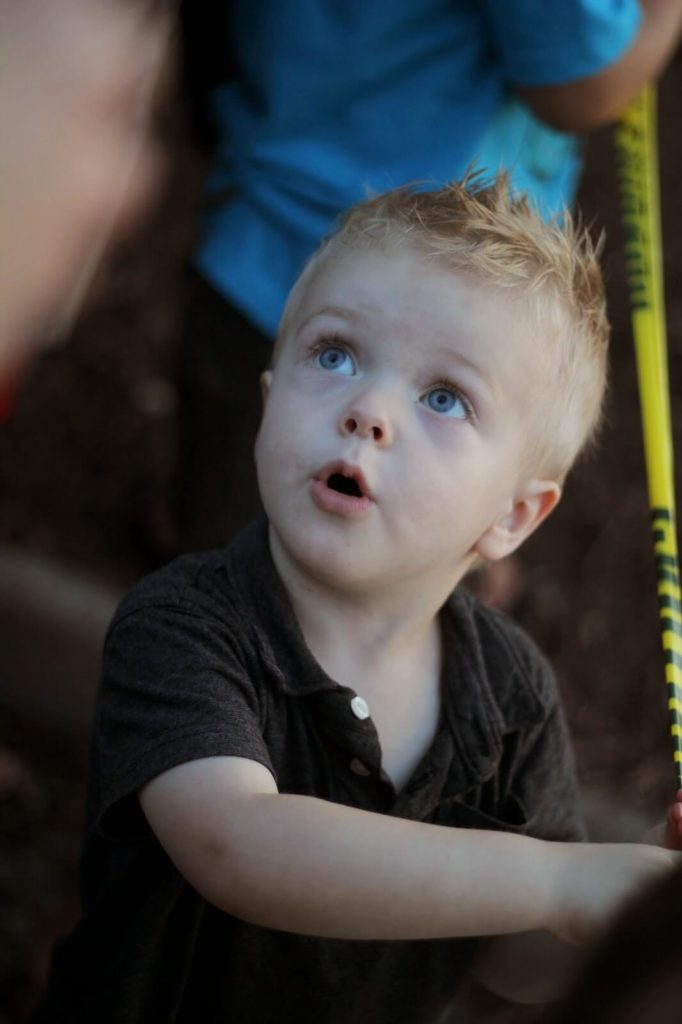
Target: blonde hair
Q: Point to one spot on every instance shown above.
(480, 227)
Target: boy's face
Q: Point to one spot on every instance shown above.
(395, 422)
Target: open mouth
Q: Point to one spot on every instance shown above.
(340, 488)
(344, 485)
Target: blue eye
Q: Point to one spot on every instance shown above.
(447, 402)
(335, 360)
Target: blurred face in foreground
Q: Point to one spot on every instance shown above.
(395, 426)
(77, 163)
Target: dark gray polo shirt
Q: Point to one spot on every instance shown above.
(205, 658)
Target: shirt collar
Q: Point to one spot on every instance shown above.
(270, 615)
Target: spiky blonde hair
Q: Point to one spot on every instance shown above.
(479, 227)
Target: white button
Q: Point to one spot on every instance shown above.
(359, 707)
(359, 768)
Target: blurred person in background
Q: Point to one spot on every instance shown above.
(79, 166)
(78, 159)
(307, 106)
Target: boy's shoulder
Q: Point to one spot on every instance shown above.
(218, 584)
(509, 663)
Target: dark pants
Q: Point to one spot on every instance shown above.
(221, 359)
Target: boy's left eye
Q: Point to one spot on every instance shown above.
(445, 401)
(334, 359)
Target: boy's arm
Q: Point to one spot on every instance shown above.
(589, 102)
(301, 864)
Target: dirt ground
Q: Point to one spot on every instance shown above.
(86, 462)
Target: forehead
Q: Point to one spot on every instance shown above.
(433, 321)
(399, 292)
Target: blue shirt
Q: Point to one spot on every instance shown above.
(338, 99)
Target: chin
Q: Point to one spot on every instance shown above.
(325, 555)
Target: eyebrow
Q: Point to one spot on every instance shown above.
(457, 357)
(468, 364)
(343, 312)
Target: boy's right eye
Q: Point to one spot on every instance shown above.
(334, 360)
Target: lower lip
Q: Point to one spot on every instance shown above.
(338, 504)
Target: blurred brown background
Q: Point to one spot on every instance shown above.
(86, 463)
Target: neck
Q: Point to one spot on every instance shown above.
(387, 622)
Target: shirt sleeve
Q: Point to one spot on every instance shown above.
(540, 43)
(175, 688)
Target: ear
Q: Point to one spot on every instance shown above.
(265, 382)
(532, 503)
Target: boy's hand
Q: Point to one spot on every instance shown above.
(594, 880)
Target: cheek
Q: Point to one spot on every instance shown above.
(267, 439)
(450, 474)
(279, 436)
(138, 188)
(427, 483)
(114, 186)
(445, 433)
(309, 384)
(441, 454)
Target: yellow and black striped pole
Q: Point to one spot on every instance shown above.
(640, 203)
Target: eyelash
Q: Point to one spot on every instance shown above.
(328, 341)
(449, 385)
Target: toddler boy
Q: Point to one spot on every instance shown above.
(320, 769)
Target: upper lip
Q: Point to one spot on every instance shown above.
(347, 469)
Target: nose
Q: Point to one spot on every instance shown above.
(367, 418)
